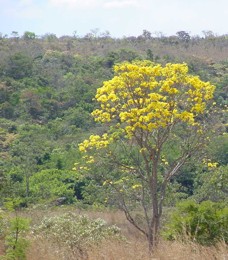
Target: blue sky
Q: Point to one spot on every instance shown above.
(119, 17)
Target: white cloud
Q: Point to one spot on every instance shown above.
(26, 2)
(121, 3)
(75, 3)
(23, 9)
(30, 13)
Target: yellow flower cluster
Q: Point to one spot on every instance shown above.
(209, 163)
(146, 96)
(95, 141)
(137, 186)
(212, 165)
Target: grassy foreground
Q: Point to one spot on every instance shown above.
(134, 248)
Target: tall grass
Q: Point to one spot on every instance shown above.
(134, 248)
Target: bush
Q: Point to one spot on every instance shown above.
(15, 241)
(212, 185)
(52, 184)
(13, 231)
(76, 233)
(205, 223)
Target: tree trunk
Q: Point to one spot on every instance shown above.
(153, 231)
(153, 234)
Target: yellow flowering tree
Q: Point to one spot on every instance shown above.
(154, 116)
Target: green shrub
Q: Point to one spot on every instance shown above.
(51, 184)
(75, 232)
(13, 231)
(15, 241)
(205, 223)
(212, 185)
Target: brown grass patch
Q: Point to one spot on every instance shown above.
(135, 248)
(131, 250)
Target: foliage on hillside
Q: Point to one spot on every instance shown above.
(47, 86)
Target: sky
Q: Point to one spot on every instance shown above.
(119, 17)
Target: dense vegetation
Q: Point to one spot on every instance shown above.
(47, 89)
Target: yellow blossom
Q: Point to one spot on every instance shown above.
(136, 186)
(212, 165)
(144, 97)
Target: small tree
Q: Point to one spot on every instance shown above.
(183, 36)
(155, 119)
(29, 35)
(15, 233)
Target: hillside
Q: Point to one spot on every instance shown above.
(47, 86)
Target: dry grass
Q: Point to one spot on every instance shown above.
(137, 250)
(134, 249)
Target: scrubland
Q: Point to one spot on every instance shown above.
(133, 247)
